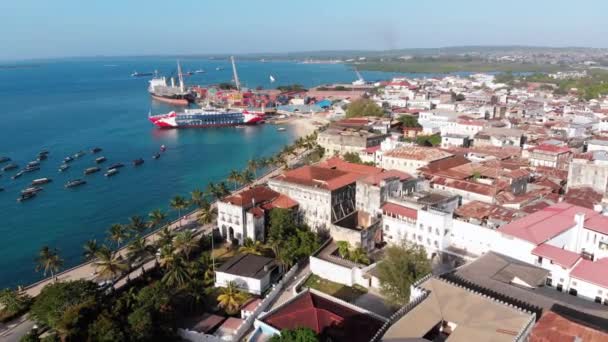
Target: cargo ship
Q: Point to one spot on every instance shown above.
(206, 117)
(173, 94)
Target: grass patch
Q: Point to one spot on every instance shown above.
(343, 292)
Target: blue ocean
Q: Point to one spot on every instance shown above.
(69, 105)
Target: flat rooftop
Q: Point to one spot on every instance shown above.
(418, 153)
(248, 265)
(477, 318)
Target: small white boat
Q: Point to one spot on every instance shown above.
(111, 172)
(281, 129)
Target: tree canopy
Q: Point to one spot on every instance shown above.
(296, 335)
(401, 267)
(288, 241)
(363, 107)
(409, 121)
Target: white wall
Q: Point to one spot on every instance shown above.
(330, 271)
(516, 248)
(251, 285)
(473, 238)
(587, 290)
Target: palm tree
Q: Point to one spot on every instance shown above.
(109, 265)
(185, 243)
(211, 189)
(157, 218)
(167, 256)
(138, 249)
(206, 215)
(246, 177)
(197, 197)
(359, 256)
(117, 234)
(179, 203)
(343, 249)
(235, 177)
(49, 261)
(222, 190)
(252, 166)
(165, 237)
(251, 247)
(90, 248)
(177, 275)
(231, 298)
(137, 225)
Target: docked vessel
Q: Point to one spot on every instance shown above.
(141, 74)
(10, 167)
(173, 94)
(111, 172)
(74, 183)
(91, 170)
(41, 181)
(205, 117)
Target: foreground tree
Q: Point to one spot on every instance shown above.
(178, 203)
(55, 299)
(117, 234)
(156, 218)
(49, 261)
(109, 265)
(206, 215)
(138, 249)
(363, 107)
(296, 335)
(176, 276)
(12, 303)
(402, 266)
(231, 298)
(91, 247)
(185, 243)
(252, 247)
(137, 225)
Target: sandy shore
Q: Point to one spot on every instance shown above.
(303, 126)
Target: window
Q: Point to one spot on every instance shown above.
(549, 282)
(540, 260)
(598, 300)
(573, 292)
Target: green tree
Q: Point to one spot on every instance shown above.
(352, 157)
(54, 299)
(90, 249)
(197, 197)
(252, 166)
(31, 336)
(177, 275)
(409, 121)
(252, 247)
(343, 249)
(363, 107)
(206, 215)
(109, 265)
(138, 249)
(74, 322)
(165, 237)
(235, 177)
(117, 234)
(12, 302)
(359, 256)
(401, 266)
(137, 225)
(106, 329)
(156, 218)
(247, 176)
(296, 335)
(48, 261)
(185, 243)
(141, 324)
(231, 298)
(178, 203)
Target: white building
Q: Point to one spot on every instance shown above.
(251, 273)
(410, 159)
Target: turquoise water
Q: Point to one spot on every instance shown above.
(71, 105)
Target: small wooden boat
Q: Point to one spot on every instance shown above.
(79, 154)
(10, 167)
(33, 163)
(17, 175)
(116, 166)
(91, 170)
(74, 183)
(4, 159)
(26, 196)
(31, 168)
(63, 167)
(41, 181)
(138, 162)
(111, 172)
(96, 150)
(100, 160)
(31, 189)
(68, 159)
(156, 156)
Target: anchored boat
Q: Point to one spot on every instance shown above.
(74, 183)
(91, 170)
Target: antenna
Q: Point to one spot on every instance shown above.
(180, 77)
(235, 74)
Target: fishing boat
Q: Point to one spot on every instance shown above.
(156, 156)
(79, 154)
(74, 183)
(115, 166)
(199, 71)
(31, 189)
(31, 168)
(17, 175)
(10, 167)
(96, 150)
(68, 159)
(141, 74)
(4, 159)
(26, 196)
(138, 162)
(100, 160)
(63, 167)
(33, 163)
(42, 157)
(111, 172)
(41, 181)
(91, 170)
(45, 152)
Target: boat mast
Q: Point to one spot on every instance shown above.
(179, 75)
(235, 74)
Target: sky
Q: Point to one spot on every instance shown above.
(67, 28)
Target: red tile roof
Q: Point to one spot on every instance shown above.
(550, 149)
(480, 210)
(328, 318)
(398, 210)
(562, 257)
(372, 149)
(259, 194)
(339, 164)
(545, 224)
(598, 223)
(283, 202)
(320, 177)
(592, 272)
(379, 177)
(555, 328)
(583, 197)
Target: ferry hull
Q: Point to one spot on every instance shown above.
(173, 120)
(175, 102)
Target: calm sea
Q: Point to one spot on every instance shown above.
(70, 105)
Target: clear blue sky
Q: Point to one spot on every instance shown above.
(56, 28)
